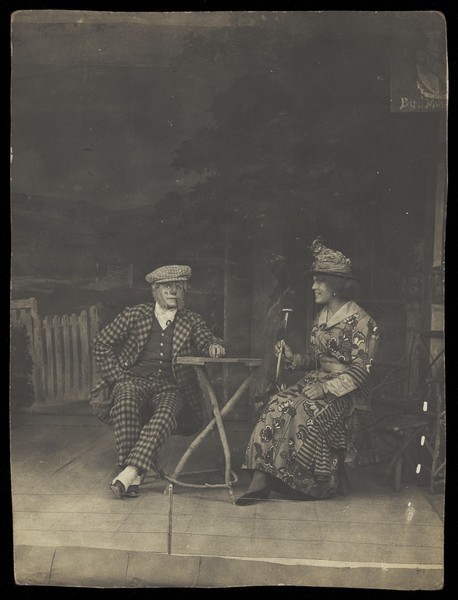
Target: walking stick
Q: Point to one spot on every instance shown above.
(285, 312)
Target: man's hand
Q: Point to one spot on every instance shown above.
(313, 391)
(216, 351)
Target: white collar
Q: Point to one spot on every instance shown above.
(165, 316)
(346, 310)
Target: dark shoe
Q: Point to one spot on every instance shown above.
(282, 488)
(133, 491)
(118, 489)
(294, 494)
(253, 497)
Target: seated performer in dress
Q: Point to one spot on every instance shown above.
(303, 432)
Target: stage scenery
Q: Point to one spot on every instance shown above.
(227, 299)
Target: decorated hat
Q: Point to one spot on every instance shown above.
(330, 262)
(169, 273)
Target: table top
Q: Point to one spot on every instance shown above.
(203, 360)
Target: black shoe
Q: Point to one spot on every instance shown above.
(253, 497)
(282, 488)
(133, 491)
(118, 489)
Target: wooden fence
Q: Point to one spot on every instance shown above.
(60, 346)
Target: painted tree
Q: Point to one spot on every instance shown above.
(302, 139)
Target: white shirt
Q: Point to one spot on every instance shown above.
(164, 316)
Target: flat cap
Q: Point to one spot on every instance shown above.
(169, 273)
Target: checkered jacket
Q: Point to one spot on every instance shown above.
(118, 345)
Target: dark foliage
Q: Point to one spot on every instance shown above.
(21, 388)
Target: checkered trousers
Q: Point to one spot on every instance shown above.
(144, 416)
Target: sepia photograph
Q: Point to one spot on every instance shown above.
(227, 354)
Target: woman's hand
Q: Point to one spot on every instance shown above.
(313, 391)
(287, 352)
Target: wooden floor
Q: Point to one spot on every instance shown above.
(65, 514)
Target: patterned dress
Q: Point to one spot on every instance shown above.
(298, 440)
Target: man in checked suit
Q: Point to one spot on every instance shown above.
(137, 355)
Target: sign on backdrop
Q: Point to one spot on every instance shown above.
(418, 63)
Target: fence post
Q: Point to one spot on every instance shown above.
(58, 351)
(26, 318)
(23, 320)
(66, 357)
(75, 379)
(50, 389)
(24, 312)
(85, 366)
(93, 330)
(39, 375)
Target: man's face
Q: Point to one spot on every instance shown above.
(169, 294)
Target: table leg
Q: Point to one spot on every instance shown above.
(205, 380)
(219, 455)
(210, 426)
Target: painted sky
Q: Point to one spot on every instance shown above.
(100, 105)
(98, 108)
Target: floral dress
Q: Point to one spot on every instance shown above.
(298, 440)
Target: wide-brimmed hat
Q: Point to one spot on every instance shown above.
(330, 262)
(169, 273)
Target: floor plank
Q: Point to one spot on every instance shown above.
(62, 466)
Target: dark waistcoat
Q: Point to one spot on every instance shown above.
(156, 356)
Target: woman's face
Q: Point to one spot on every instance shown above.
(323, 293)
